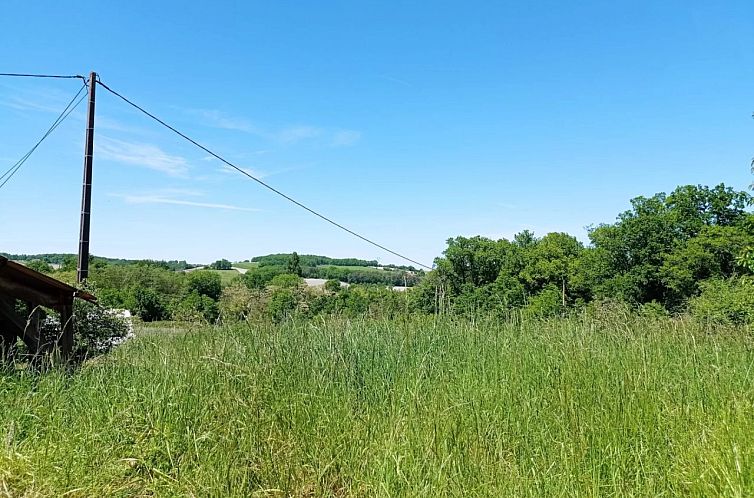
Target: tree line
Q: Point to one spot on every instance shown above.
(690, 250)
(310, 260)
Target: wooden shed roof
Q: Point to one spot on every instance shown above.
(21, 282)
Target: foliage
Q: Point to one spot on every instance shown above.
(205, 283)
(259, 277)
(653, 309)
(69, 263)
(196, 307)
(147, 304)
(725, 301)
(310, 260)
(357, 275)
(39, 265)
(660, 251)
(294, 265)
(221, 264)
(664, 244)
(286, 280)
(545, 304)
(282, 304)
(746, 258)
(96, 330)
(127, 278)
(69, 260)
(666, 253)
(332, 285)
(238, 303)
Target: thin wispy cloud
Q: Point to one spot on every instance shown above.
(232, 171)
(177, 197)
(395, 80)
(108, 123)
(295, 134)
(21, 104)
(218, 119)
(141, 154)
(49, 100)
(267, 173)
(288, 135)
(344, 138)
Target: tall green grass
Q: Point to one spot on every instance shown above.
(396, 408)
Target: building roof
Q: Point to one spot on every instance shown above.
(23, 283)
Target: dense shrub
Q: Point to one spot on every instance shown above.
(332, 285)
(282, 304)
(547, 303)
(195, 307)
(221, 264)
(96, 330)
(725, 301)
(258, 278)
(286, 280)
(39, 265)
(147, 304)
(653, 310)
(238, 302)
(205, 283)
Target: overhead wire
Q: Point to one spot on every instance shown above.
(252, 177)
(60, 76)
(61, 117)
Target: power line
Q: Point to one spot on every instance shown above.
(61, 117)
(265, 185)
(60, 76)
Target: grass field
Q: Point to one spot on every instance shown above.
(419, 408)
(226, 276)
(247, 265)
(351, 267)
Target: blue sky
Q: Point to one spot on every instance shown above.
(410, 122)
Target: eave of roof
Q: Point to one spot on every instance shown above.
(39, 281)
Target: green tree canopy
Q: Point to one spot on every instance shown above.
(294, 265)
(205, 283)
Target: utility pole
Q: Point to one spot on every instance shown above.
(86, 194)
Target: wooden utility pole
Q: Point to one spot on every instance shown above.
(86, 194)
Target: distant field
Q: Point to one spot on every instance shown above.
(360, 268)
(226, 276)
(571, 407)
(247, 266)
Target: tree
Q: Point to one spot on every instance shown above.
(636, 258)
(332, 285)
(725, 301)
(238, 302)
(474, 261)
(147, 304)
(221, 264)
(39, 265)
(205, 283)
(282, 303)
(258, 277)
(196, 307)
(69, 263)
(285, 281)
(714, 253)
(746, 259)
(552, 262)
(294, 265)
